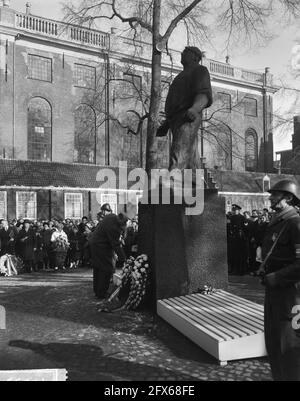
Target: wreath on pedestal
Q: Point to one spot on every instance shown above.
(132, 283)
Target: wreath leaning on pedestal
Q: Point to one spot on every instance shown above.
(135, 276)
(132, 285)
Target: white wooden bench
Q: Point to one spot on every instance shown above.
(224, 325)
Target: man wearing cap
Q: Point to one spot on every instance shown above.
(282, 281)
(189, 94)
(238, 242)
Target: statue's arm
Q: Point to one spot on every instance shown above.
(200, 103)
(203, 92)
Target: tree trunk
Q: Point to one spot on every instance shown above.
(151, 150)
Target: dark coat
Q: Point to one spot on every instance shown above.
(7, 240)
(131, 239)
(26, 244)
(259, 231)
(46, 238)
(282, 295)
(38, 253)
(105, 240)
(238, 244)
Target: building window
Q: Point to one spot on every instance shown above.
(73, 206)
(224, 101)
(251, 150)
(84, 76)
(26, 205)
(39, 129)
(250, 107)
(85, 146)
(3, 204)
(228, 205)
(267, 203)
(39, 68)
(222, 147)
(112, 199)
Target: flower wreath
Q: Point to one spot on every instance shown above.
(206, 290)
(132, 284)
(135, 275)
(9, 265)
(61, 244)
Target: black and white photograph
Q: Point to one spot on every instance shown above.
(149, 193)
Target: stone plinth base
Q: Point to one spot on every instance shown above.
(206, 244)
(186, 252)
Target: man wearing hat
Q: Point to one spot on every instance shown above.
(281, 255)
(238, 242)
(104, 242)
(189, 94)
(26, 240)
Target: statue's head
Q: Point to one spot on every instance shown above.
(191, 54)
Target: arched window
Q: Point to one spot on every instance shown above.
(39, 129)
(85, 145)
(251, 150)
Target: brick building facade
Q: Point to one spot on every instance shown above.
(288, 161)
(71, 95)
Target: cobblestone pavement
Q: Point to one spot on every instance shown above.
(52, 322)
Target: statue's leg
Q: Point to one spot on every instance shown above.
(195, 159)
(184, 150)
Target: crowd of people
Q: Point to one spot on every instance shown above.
(245, 233)
(58, 245)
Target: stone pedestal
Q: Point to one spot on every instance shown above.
(206, 244)
(186, 252)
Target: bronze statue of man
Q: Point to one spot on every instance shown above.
(189, 94)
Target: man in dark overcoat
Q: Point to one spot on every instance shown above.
(7, 238)
(104, 241)
(238, 242)
(26, 240)
(282, 281)
(82, 241)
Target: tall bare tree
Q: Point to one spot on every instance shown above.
(242, 19)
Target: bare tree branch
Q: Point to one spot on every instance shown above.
(176, 20)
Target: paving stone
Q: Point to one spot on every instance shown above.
(52, 321)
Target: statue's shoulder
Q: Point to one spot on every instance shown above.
(201, 69)
(200, 72)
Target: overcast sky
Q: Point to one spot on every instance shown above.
(279, 55)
